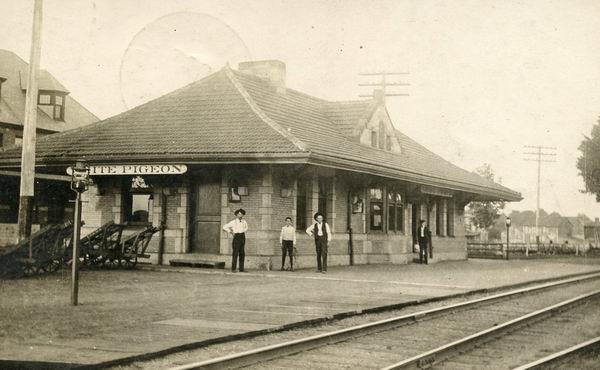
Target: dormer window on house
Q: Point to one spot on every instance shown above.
(381, 135)
(56, 100)
(51, 94)
(374, 139)
(381, 139)
(2, 79)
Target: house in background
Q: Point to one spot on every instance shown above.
(552, 227)
(243, 139)
(57, 112)
(592, 231)
(572, 228)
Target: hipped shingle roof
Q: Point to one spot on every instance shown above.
(234, 116)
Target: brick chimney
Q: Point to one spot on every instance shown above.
(271, 70)
(379, 96)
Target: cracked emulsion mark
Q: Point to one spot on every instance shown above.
(175, 50)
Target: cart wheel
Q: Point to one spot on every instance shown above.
(29, 269)
(53, 266)
(130, 262)
(93, 260)
(112, 263)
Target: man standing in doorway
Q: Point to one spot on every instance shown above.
(424, 238)
(238, 228)
(322, 233)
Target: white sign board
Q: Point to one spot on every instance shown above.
(136, 169)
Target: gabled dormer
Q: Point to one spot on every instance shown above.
(51, 95)
(378, 132)
(366, 122)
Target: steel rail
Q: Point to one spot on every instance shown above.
(584, 347)
(442, 353)
(303, 344)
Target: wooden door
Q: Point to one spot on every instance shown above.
(206, 229)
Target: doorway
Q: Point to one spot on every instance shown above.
(415, 218)
(206, 217)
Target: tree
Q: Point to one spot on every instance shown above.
(588, 163)
(485, 213)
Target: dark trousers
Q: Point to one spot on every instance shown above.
(287, 247)
(239, 241)
(423, 246)
(321, 246)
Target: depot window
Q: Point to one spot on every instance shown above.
(450, 217)
(395, 211)
(137, 201)
(376, 209)
(323, 197)
(301, 205)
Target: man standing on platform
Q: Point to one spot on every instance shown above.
(424, 239)
(287, 239)
(322, 233)
(238, 228)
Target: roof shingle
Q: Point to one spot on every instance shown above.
(231, 114)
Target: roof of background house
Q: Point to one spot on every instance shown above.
(576, 220)
(231, 115)
(595, 223)
(12, 101)
(45, 81)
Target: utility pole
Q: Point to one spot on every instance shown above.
(539, 155)
(26, 196)
(383, 83)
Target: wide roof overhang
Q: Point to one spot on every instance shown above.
(476, 192)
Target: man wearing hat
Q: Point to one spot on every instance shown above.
(424, 239)
(322, 233)
(238, 228)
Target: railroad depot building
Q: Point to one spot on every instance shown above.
(57, 111)
(242, 139)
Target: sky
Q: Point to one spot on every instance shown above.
(486, 77)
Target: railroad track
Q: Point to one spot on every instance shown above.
(423, 339)
(573, 357)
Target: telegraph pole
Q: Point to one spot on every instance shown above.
(26, 196)
(383, 83)
(539, 155)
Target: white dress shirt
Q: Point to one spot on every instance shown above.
(287, 233)
(319, 226)
(236, 226)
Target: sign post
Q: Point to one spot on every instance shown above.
(507, 236)
(79, 182)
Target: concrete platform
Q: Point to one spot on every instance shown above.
(127, 313)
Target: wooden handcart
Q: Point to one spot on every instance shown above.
(107, 246)
(48, 252)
